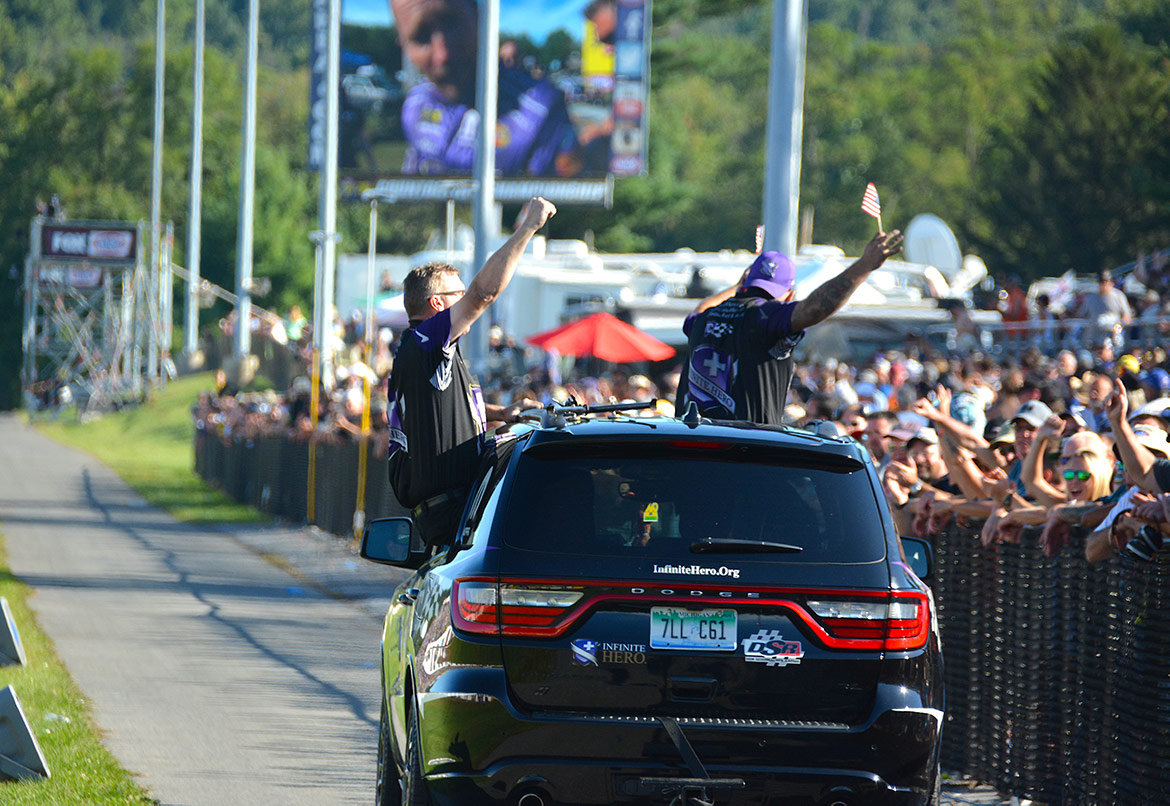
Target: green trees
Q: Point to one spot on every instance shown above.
(1083, 181)
(78, 122)
(1037, 130)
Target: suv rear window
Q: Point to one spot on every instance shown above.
(642, 499)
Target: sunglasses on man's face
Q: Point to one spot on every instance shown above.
(1079, 475)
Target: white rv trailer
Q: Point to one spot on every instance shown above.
(558, 280)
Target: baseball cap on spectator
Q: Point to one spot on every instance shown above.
(1105, 276)
(1159, 408)
(1005, 435)
(909, 430)
(1129, 363)
(1153, 439)
(1074, 415)
(927, 435)
(773, 272)
(1034, 413)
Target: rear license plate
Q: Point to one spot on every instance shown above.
(677, 628)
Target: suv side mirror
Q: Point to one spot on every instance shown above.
(919, 556)
(387, 540)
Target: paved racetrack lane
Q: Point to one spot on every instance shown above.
(217, 677)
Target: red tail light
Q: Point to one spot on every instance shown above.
(544, 608)
(897, 622)
(483, 606)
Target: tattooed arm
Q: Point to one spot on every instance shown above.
(831, 295)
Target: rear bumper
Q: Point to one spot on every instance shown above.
(477, 749)
(579, 784)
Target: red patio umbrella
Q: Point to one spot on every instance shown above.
(603, 335)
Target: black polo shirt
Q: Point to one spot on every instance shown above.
(436, 413)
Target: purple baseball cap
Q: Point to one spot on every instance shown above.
(772, 271)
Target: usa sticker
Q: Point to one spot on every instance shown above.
(768, 646)
(585, 652)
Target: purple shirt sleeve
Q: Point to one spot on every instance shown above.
(778, 318)
(689, 323)
(435, 333)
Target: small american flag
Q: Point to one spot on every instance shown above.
(870, 203)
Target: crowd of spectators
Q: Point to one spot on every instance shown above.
(1001, 440)
(1012, 444)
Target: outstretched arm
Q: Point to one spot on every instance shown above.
(963, 434)
(1138, 460)
(1032, 471)
(497, 272)
(831, 295)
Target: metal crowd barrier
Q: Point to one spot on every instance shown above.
(1057, 672)
(271, 474)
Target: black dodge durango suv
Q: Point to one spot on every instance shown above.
(654, 610)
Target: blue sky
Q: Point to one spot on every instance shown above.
(536, 17)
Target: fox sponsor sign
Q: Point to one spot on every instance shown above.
(93, 243)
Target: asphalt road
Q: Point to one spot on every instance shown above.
(216, 675)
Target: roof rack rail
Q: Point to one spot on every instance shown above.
(557, 415)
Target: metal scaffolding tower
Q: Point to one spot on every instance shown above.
(91, 315)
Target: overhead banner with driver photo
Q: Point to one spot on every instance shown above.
(573, 89)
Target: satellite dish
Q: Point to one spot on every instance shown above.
(929, 240)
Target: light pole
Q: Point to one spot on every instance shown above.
(243, 340)
(154, 278)
(486, 94)
(195, 203)
(785, 124)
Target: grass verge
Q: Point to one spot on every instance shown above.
(150, 447)
(83, 771)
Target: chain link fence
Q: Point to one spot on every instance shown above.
(1057, 672)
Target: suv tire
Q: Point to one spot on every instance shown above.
(414, 788)
(389, 790)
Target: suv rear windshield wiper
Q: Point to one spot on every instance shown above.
(711, 545)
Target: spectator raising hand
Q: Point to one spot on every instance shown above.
(996, 483)
(1050, 429)
(1117, 404)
